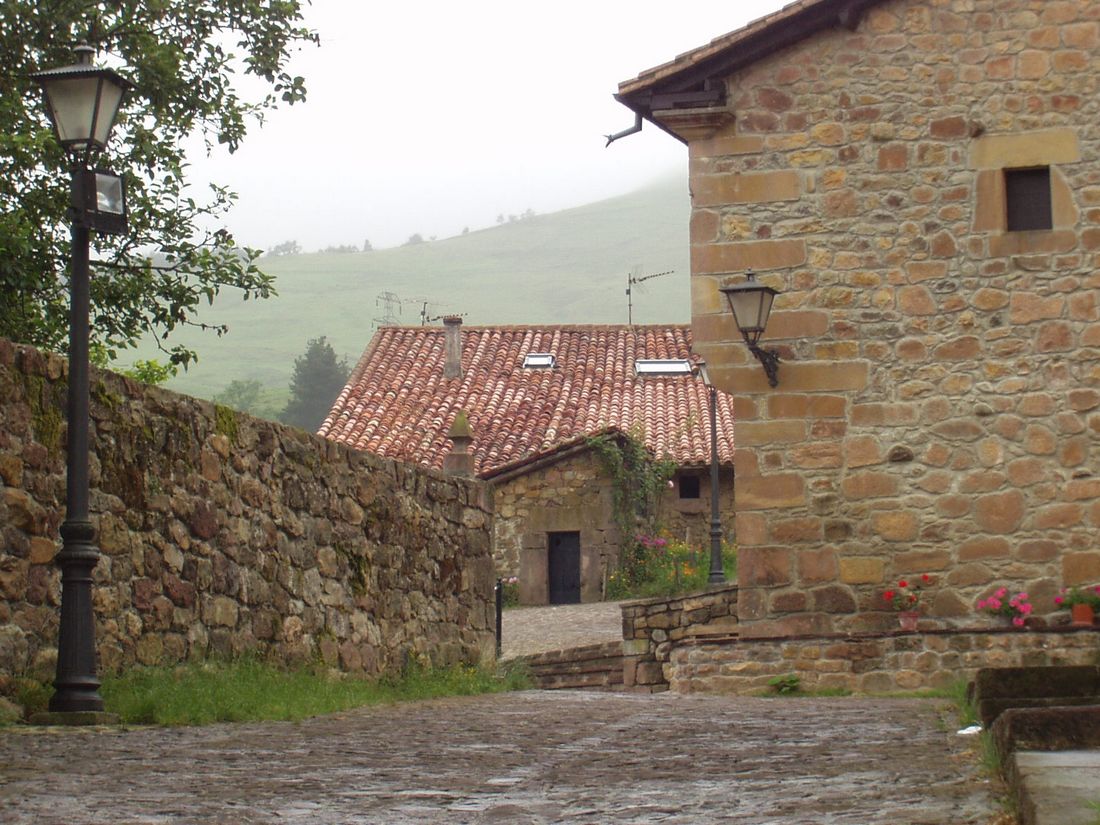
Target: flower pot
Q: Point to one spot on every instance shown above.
(1082, 615)
(908, 620)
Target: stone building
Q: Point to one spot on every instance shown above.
(920, 180)
(517, 406)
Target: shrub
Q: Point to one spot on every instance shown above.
(661, 566)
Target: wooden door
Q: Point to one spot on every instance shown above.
(564, 559)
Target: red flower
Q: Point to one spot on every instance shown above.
(925, 577)
(903, 583)
(888, 595)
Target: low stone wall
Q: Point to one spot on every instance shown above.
(222, 533)
(651, 627)
(871, 663)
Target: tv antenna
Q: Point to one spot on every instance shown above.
(636, 277)
(425, 307)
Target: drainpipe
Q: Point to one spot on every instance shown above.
(637, 127)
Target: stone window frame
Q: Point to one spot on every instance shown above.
(990, 156)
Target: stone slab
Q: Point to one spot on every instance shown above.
(1056, 788)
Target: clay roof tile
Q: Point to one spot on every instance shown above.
(396, 402)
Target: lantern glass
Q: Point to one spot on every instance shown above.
(83, 101)
(109, 196)
(751, 304)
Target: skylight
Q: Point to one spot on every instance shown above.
(668, 366)
(539, 361)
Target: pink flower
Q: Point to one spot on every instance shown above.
(1058, 600)
(1025, 608)
(1022, 597)
(1018, 621)
(993, 603)
(1001, 592)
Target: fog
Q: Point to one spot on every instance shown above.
(433, 117)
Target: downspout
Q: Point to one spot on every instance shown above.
(637, 127)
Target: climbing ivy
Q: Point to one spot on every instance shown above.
(637, 480)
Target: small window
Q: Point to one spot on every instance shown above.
(670, 366)
(1027, 198)
(539, 361)
(689, 486)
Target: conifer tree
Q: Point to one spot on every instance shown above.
(317, 380)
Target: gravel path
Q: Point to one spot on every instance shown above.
(528, 630)
(533, 757)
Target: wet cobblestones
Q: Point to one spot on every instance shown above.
(533, 757)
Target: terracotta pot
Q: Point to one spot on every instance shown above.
(1081, 615)
(908, 620)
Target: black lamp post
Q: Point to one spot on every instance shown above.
(751, 304)
(82, 101)
(717, 571)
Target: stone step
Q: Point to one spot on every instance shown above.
(592, 667)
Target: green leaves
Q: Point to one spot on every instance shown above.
(185, 59)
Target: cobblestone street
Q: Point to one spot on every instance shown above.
(533, 757)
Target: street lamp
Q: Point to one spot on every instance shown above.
(717, 571)
(751, 304)
(82, 101)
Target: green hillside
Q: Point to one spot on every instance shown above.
(565, 267)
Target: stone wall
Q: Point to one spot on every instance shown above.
(938, 407)
(653, 627)
(689, 519)
(871, 663)
(223, 533)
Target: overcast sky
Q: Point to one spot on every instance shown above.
(427, 117)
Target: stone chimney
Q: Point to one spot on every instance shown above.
(452, 346)
(459, 461)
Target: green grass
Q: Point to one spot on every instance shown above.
(559, 268)
(249, 690)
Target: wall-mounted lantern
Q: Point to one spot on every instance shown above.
(751, 304)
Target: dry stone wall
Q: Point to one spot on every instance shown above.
(870, 663)
(652, 628)
(938, 407)
(222, 533)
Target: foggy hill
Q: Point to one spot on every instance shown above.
(562, 267)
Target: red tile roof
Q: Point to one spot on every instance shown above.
(397, 402)
(725, 54)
